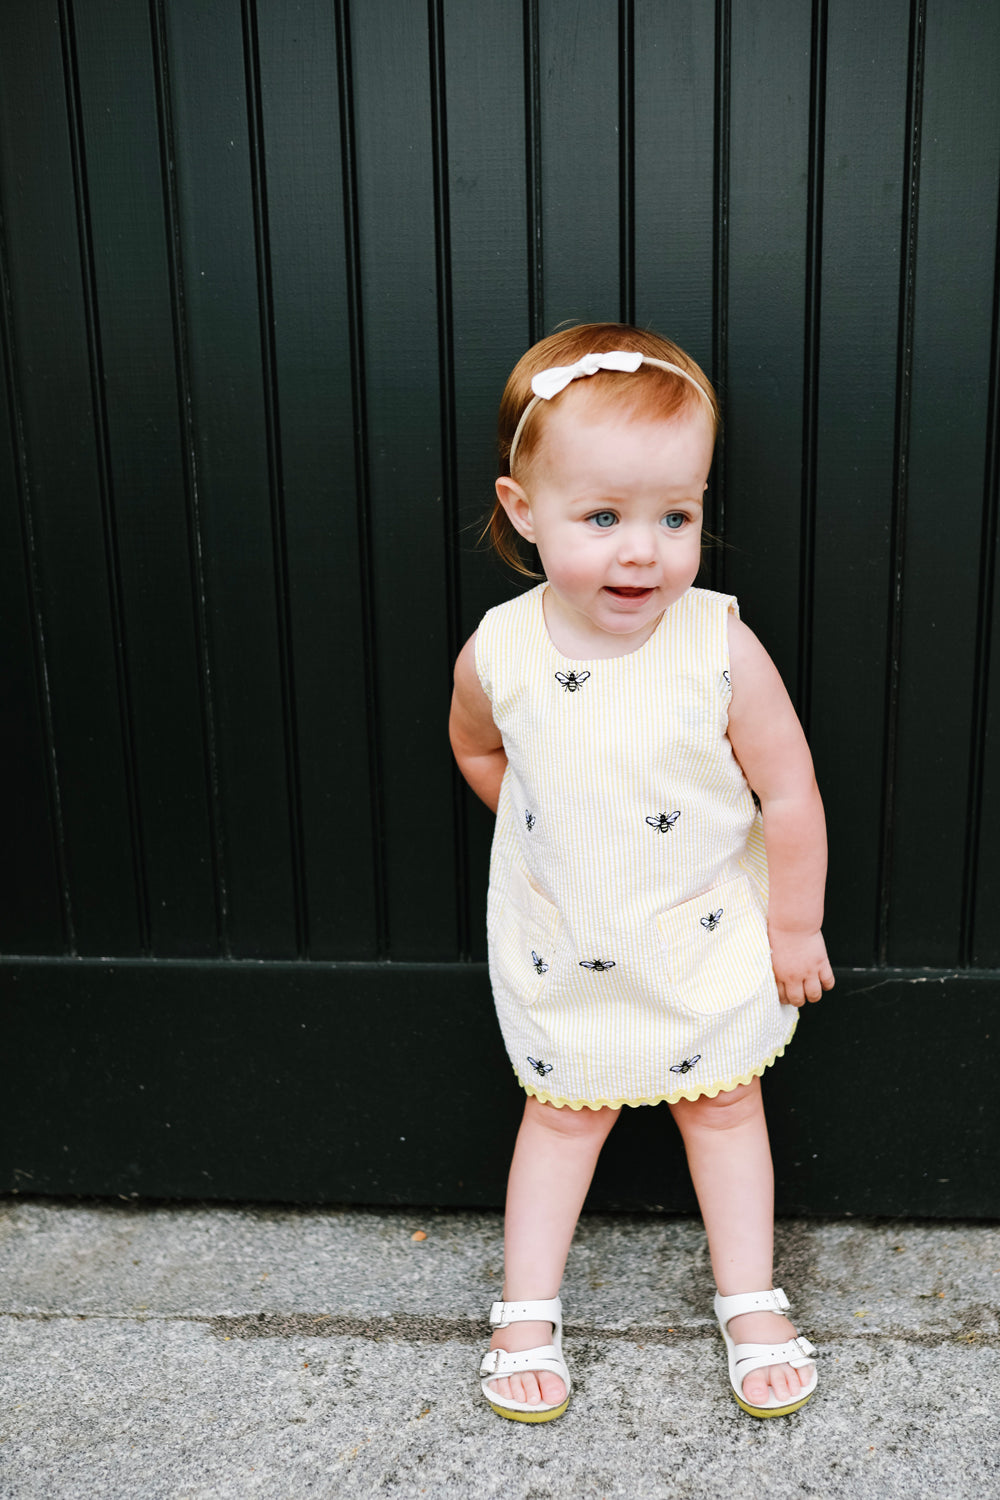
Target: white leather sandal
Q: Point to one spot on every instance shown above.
(497, 1363)
(743, 1358)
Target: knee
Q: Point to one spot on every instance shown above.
(584, 1125)
(726, 1111)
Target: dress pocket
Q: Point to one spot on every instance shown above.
(524, 932)
(717, 953)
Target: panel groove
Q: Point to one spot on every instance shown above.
(979, 717)
(105, 484)
(626, 156)
(900, 478)
(446, 377)
(13, 381)
(720, 278)
(533, 170)
(355, 311)
(811, 360)
(189, 469)
(276, 488)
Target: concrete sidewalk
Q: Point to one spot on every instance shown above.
(190, 1353)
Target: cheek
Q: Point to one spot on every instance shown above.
(578, 566)
(565, 557)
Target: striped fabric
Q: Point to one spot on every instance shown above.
(628, 882)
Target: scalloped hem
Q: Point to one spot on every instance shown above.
(708, 1090)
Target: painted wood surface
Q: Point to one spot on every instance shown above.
(265, 265)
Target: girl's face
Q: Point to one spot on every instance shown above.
(614, 505)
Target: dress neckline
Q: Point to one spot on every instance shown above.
(591, 661)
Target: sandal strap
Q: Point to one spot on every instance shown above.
(502, 1314)
(745, 1302)
(546, 1357)
(749, 1357)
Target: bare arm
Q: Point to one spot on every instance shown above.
(475, 738)
(768, 742)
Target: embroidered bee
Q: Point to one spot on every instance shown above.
(541, 967)
(756, 799)
(725, 678)
(687, 1064)
(572, 681)
(541, 1068)
(664, 821)
(712, 920)
(597, 965)
(529, 818)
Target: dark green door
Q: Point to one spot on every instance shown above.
(265, 266)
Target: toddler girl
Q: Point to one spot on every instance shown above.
(656, 882)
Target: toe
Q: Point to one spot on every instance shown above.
(756, 1390)
(784, 1382)
(553, 1390)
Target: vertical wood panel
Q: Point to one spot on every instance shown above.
(491, 325)
(302, 154)
(676, 151)
(674, 160)
(145, 470)
(31, 917)
(983, 885)
(865, 156)
(239, 507)
(946, 480)
(762, 561)
(409, 547)
(578, 47)
(67, 491)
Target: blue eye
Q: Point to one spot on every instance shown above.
(604, 519)
(675, 520)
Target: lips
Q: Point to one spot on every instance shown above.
(628, 593)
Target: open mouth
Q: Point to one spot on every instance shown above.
(629, 593)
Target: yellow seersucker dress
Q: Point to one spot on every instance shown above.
(628, 882)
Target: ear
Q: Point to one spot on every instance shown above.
(517, 505)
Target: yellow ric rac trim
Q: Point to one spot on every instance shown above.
(709, 1090)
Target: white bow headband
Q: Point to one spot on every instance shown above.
(548, 383)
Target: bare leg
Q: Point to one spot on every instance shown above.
(730, 1160)
(554, 1159)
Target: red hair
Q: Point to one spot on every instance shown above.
(648, 393)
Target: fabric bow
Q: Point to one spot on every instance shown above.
(548, 383)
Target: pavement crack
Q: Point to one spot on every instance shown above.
(419, 1328)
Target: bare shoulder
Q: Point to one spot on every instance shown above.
(764, 729)
(751, 670)
(467, 684)
(471, 710)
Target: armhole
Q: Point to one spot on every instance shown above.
(726, 684)
(482, 666)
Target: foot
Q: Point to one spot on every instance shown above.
(784, 1381)
(538, 1387)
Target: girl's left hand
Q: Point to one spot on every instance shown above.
(801, 967)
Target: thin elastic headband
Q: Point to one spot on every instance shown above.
(548, 383)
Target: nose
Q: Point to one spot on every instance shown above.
(636, 544)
